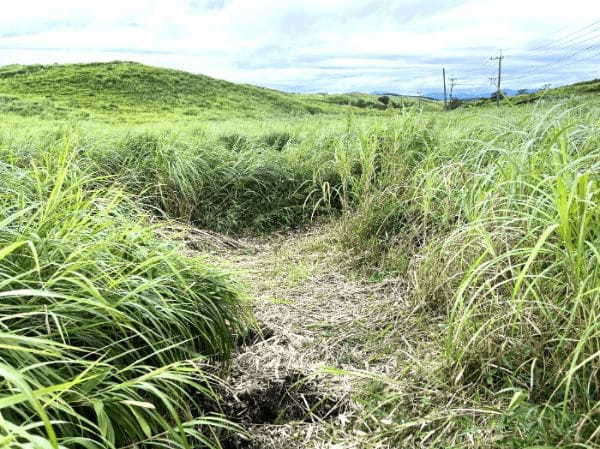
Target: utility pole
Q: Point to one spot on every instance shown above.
(452, 84)
(498, 58)
(445, 97)
(419, 93)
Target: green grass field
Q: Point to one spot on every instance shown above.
(132, 92)
(489, 215)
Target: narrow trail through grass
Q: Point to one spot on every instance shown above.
(290, 383)
(338, 360)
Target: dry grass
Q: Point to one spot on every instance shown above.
(345, 354)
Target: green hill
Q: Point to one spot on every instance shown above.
(135, 91)
(584, 90)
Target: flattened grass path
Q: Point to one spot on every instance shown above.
(338, 361)
(311, 318)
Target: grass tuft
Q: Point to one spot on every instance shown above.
(103, 327)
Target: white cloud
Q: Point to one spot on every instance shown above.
(306, 44)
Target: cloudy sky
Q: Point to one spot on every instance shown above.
(318, 45)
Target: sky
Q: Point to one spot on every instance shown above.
(318, 45)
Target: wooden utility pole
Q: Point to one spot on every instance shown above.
(419, 93)
(498, 58)
(445, 97)
(452, 84)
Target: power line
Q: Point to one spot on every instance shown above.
(595, 25)
(542, 61)
(545, 67)
(555, 41)
(575, 45)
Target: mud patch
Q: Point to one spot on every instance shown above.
(273, 393)
(310, 316)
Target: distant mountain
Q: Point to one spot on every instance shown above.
(462, 94)
(391, 94)
(470, 94)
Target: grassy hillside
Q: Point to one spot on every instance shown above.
(138, 92)
(583, 91)
(486, 219)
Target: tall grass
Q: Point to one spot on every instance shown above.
(202, 177)
(525, 312)
(491, 217)
(103, 327)
(495, 224)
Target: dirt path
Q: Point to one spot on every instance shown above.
(313, 319)
(337, 361)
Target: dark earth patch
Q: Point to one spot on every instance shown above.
(254, 335)
(290, 399)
